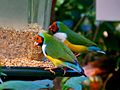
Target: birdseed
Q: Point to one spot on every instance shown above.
(17, 47)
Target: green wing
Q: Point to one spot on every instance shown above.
(74, 37)
(58, 50)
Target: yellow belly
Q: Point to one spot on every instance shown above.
(76, 48)
(56, 62)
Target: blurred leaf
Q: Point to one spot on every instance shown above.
(117, 30)
(59, 2)
(26, 85)
(74, 83)
(117, 64)
(80, 6)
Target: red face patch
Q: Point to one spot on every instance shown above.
(38, 39)
(53, 27)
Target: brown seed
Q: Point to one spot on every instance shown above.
(17, 49)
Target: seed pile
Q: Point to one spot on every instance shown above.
(17, 47)
(25, 62)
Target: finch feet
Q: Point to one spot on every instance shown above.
(51, 70)
(64, 69)
(77, 54)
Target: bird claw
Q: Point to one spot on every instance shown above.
(77, 54)
(50, 69)
(64, 69)
(64, 72)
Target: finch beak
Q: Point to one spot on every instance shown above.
(49, 27)
(36, 44)
(50, 30)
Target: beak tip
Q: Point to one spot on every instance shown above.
(35, 44)
(49, 27)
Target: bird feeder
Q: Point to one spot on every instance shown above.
(20, 21)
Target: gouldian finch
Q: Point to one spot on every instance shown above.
(76, 42)
(58, 53)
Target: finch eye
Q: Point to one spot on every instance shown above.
(37, 38)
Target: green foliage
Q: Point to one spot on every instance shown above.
(79, 15)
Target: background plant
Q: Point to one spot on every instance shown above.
(79, 15)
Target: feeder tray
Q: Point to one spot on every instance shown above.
(34, 73)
